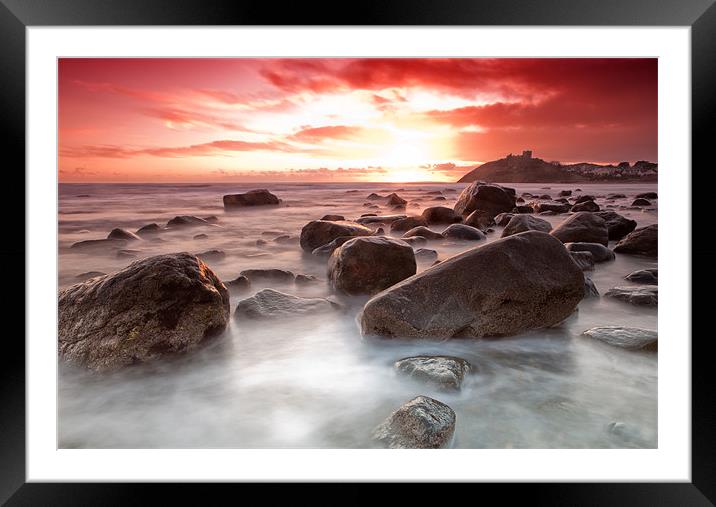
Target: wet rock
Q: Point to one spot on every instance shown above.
(584, 227)
(584, 198)
(523, 209)
(320, 232)
(649, 276)
(259, 197)
(491, 198)
(514, 284)
(647, 295)
(480, 219)
(368, 215)
(618, 226)
(629, 338)
(600, 253)
(374, 196)
(212, 255)
(421, 423)
(268, 275)
(463, 232)
(439, 198)
(119, 233)
(545, 197)
(503, 219)
(416, 241)
(440, 215)
(585, 206)
(647, 195)
(395, 200)
(201, 236)
(89, 274)
(369, 265)
(99, 245)
(424, 232)
(426, 255)
(333, 218)
(239, 284)
(523, 223)
(611, 197)
(443, 372)
(644, 241)
(327, 249)
(584, 260)
(565, 193)
(590, 290)
(186, 221)
(405, 224)
(154, 307)
(553, 206)
(148, 230)
(372, 218)
(641, 202)
(272, 304)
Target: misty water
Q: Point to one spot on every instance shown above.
(316, 382)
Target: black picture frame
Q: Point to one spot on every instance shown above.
(16, 15)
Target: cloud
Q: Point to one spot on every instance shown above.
(318, 134)
(178, 118)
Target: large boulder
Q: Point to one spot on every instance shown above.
(491, 198)
(647, 295)
(641, 202)
(523, 223)
(630, 338)
(424, 232)
(272, 304)
(583, 227)
(443, 372)
(369, 265)
(421, 423)
(260, 197)
(514, 284)
(617, 225)
(405, 224)
(152, 308)
(644, 241)
(319, 232)
(600, 253)
(440, 215)
(585, 206)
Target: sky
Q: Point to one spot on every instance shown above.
(264, 120)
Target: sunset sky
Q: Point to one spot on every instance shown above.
(345, 119)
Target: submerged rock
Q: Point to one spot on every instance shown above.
(644, 241)
(642, 296)
(443, 372)
(618, 226)
(369, 265)
(630, 338)
(553, 206)
(491, 198)
(119, 233)
(187, 221)
(212, 255)
(302, 279)
(480, 219)
(463, 232)
(584, 260)
(523, 223)
(407, 223)
(503, 219)
(584, 227)
(268, 275)
(648, 276)
(372, 218)
(395, 200)
(99, 245)
(148, 230)
(421, 423)
(514, 284)
(239, 284)
(259, 197)
(440, 215)
(641, 202)
(647, 195)
(333, 218)
(426, 254)
(600, 253)
(272, 304)
(320, 232)
(424, 232)
(590, 290)
(327, 249)
(154, 307)
(585, 206)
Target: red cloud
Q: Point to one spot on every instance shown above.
(318, 134)
(191, 118)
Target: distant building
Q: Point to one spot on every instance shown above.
(527, 154)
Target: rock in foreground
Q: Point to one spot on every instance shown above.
(154, 307)
(443, 372)
(272, 304)
(625, 337)
(523, 223)
(259, 197)
(320, 232)
(583, 227)
(369, 265)
(421, 423)
(514, 284)
(490, 198)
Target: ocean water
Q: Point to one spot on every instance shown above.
(317, 383)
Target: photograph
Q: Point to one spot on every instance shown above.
(357, 252)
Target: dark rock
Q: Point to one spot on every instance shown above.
(443, 372)
(421, 423)
(600, 253)
(523, 209)
(480, 219)
(503, 219)
(395, 200)
(372, 218)
(333, 218)
(405, 224)
(590, 290)
(463, 232)
(440, 215)
(629, 338)
(612, 197)
(647, 195)
(201, 236)
(584, 198)
(514, 284)
(148, 230)
(641, 202)
(118, 233)
(154, 307)
(522, 223)
(644, 241)
(583, 227)
(212, 219)
(618, 226)
(259, 197)
(99, 245)
(272, 304)
(320, 232)
(374, 196)
(239, 284)
(546, 197)
(424, 232)
(327, 249)
(584, 260)
(439, 198)
(212, 255)
(369, 265)
(565, 193)
(648, 276)
(491, 198)
(186, 221)
(585, 206)
(647, 295)
(553, 206)
(268, 275)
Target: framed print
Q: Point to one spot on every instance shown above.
(422, 246)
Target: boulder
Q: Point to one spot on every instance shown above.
(424, 232)
(600, 253)
(584, 260)
(463, 232)
(99, 245)
(369, 265)
(154, 307)
(649, 276)
(618, 226)
(641, 202)
(395, 200)
(647, 295)
(443, 372)
(585, 206)
(582, 227)
(480, 219)
(644, 241)
(259, 197)
(118, 233)
(372, 218)
(373, 196)
(327, 249)
(523, 223)
(584, 198)
(405, 224)
(421, 423)
(553, 206)
(503, 219)
(488, 197)
(272, 304)
(630, 338)
(333, 218)
(239, 284)
(590, 290)
(565, 193)
(320, 232)
(440, 215)
(268, 275)
(186, 221)
(148, 230)
(523, 209)
(647, 195)
(525, 281)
